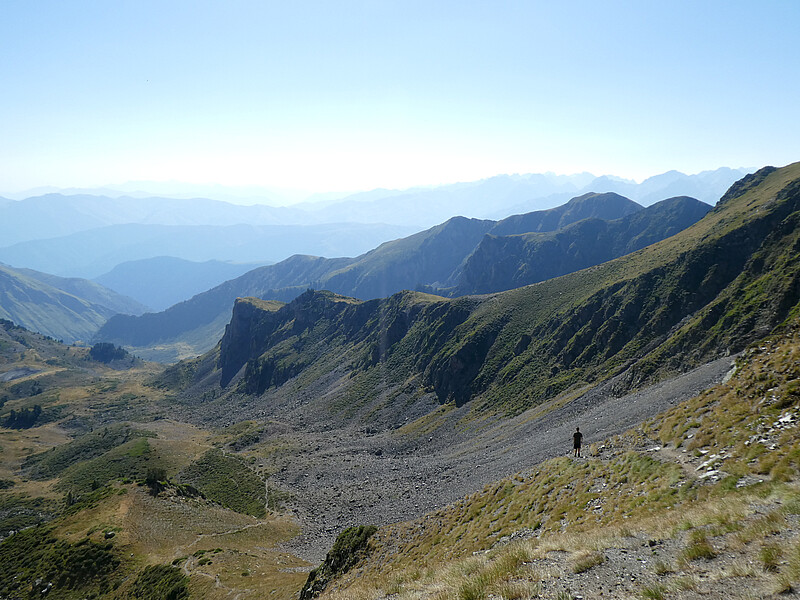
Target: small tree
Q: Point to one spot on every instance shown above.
(155, 479)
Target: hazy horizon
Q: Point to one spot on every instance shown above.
(363, 95)
(279, 196)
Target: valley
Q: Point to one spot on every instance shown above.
(443, 421)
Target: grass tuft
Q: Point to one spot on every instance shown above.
(656, 591)
(770, 557)
(699, 548)
(585, 560)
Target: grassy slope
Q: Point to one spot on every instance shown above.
(698, 295)
(427, 257)
(85, 489)
(44, 308)
(90, 291)
(660, 309)
(713, 483)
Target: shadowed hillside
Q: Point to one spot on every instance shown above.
(504, 262)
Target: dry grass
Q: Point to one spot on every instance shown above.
(698, 547)
(663, 567)
(657, 591)
(17, 444)
(225, 553)
(585, 560)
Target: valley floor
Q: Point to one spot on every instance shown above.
(352, 476)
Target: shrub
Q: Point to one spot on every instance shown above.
(160, 582)
(155, 478)
(348, 549)
(105, 352)
(23, 419)
(34, 560)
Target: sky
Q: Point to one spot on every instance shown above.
(359, 94)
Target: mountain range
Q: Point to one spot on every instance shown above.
(88, 234)
(418, 445)
(439, 259)
(94, 253)
(703, 293)
(497, 197)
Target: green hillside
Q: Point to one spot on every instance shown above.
(67, 309)
(703, 293)
(660, 309)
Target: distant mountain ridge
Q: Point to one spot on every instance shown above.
(163, 281)
(431, 260)
(92, 291)
(88, 234)
(57, 214)
(93, 253)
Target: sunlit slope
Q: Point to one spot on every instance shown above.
(703, 293)
(43, 308)
(103, 497)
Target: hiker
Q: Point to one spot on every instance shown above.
(577, 437)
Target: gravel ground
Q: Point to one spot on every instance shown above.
(348, 476)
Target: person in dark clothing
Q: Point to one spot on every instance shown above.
(577, 438)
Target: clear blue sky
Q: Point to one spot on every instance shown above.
(335, 95)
